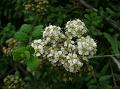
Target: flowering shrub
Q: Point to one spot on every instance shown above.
(61, 55)
(70, 49)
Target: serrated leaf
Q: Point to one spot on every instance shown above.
(32, 64)
(27, 55)
(20, 36)
(18, 53)
(37, 31)
(30, 49)
(26, 28)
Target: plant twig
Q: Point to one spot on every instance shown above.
(116, 62)
(110, 56)
(101, 56)
(87, 5)
(113, 23)
(19, 67)
(113, 76)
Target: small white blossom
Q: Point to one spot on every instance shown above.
(86, 46)
(69, 49)
(38, 46)
(75, 28)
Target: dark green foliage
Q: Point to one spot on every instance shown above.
(114, 42)
(94, 22)
(37, 31)
(11, 11)
(28, 32)
(102, 18)
(9, 28)
(25, 54)
(21, 36)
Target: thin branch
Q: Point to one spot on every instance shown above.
(19, 67)
(113, 76)
(116, 62)
(102, 56)
(113, 23)
(87, 5)
(110, 56)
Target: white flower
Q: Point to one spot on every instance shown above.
(53, 32)
(86, 46)
(65, 44)
(49, 55)
(60, 52)
(37, 54)
(75, 28)
(69, 49)
(74, 55)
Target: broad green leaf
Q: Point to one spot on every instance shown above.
(30, 49)
(20, 36)
(26, 28)
(32, 64)
(18, 53)
(27, 55)
(37, 31)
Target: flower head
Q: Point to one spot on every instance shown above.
(75, 28)
(69, 49)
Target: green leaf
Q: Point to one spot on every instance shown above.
(7, 27)
(18, 53)
(26, 28)
(37, 31)
(92, 81)
(31, 49)
(27, 55)
(104, 70)
(104, 78)
(32, 64)
(20, 36)
(119, 44)
(114, 43)
(92, 87)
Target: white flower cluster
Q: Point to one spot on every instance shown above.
(52, 34)
(70, 48)
(38, 46)
(75, 28)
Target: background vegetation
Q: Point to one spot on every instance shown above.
(22, 21)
